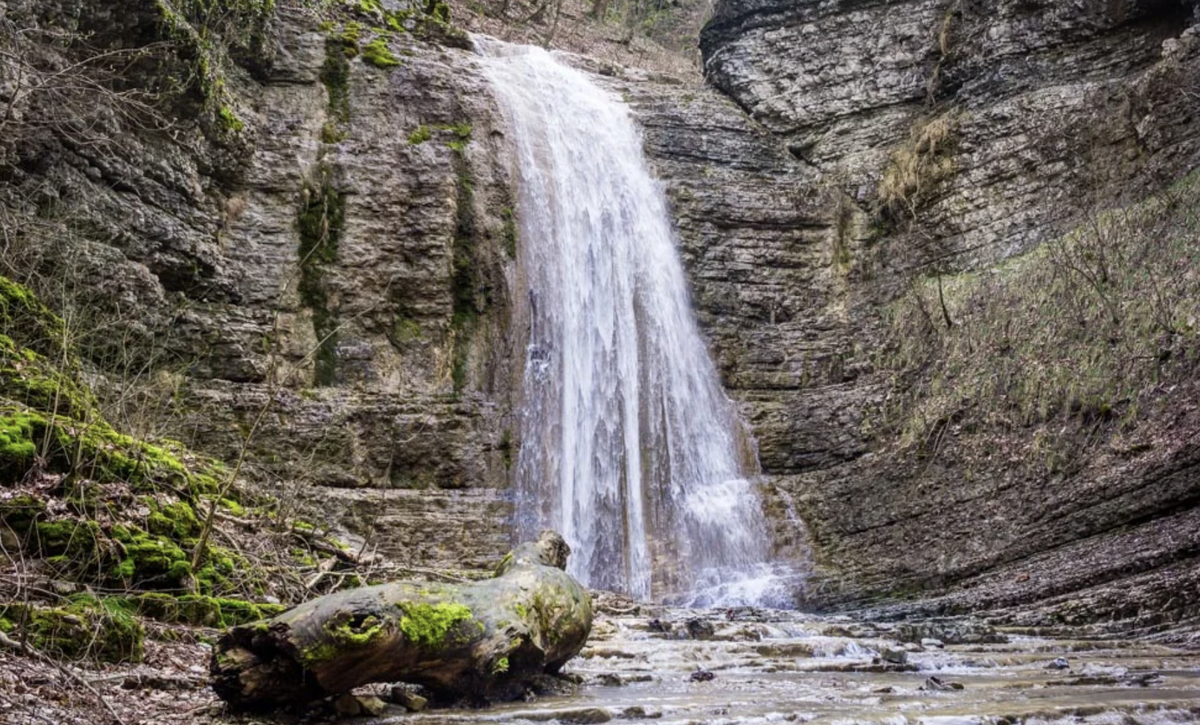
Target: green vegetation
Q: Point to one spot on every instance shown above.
(199, 609)
(84, 628)
(321, 219)
(207, 37)
(510, 232)
(460, 135)
(429, 624)
(335, 76)
(121, 515)
(1084, 328)
(420, 135)
(378, 54)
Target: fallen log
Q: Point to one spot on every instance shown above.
(459, 640)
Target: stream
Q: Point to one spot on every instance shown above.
(654, 665)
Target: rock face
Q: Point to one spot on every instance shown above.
(947, 136)
(328, 291)
(326, 285)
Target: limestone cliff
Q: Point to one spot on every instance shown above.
(313, 261)
(946, 137)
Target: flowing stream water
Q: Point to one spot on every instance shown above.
(629, 446)
(741, 666)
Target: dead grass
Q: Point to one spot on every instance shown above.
(1095, 327)
(916, 168)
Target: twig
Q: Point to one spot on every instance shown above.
(25, 647)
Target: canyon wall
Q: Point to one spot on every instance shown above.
(324, 279)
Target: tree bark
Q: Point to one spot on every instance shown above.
(481, 639)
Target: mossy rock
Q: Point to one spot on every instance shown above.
(86, 628)
(201, 610)
(150, 561)
(177, 520)
(21, 512)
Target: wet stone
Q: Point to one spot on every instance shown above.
(1059, 663)
(700, 628)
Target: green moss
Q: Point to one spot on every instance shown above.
(201, 610)
(404, 331)
(500, 666)
(461, 137)
(422, 134)
(322, 217)
(87, 628)
(335, 76)
(378, 54)
(21, 512)
(174, 519)
(150, 561)
(78, 539)
(349, 38)
(429, 624)
(17, 446)
(438, 10)
(206, 37)
(230, 120)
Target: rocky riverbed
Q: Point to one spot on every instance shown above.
(752, 666)
(672, 665)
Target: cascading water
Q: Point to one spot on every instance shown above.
(629, 446)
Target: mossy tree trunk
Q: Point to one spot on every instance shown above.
(482, 639)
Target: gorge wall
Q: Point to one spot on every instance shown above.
(330, 279)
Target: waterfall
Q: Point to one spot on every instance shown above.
(629, 446)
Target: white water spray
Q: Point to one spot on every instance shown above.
(629, 446)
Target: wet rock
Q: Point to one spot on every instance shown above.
(700, 628)
(702, 676)
(409, 700)
(562, 684)
(784, 650)
(658, 625)
(613, 679)
(580, 716)
(347, 706)
(637, 712)
(372, 705)
(930, 643)
(965, 631)
(1059, 663)
(937, 684)
(894, 656)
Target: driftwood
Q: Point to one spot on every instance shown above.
(459, 640)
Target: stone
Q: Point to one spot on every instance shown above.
(1059, 663)
(700, 628)
(408, 699)
(348, 705)
(373, 706)
(937, 684)
(702, 676)
(929, 643)
(894, 656)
